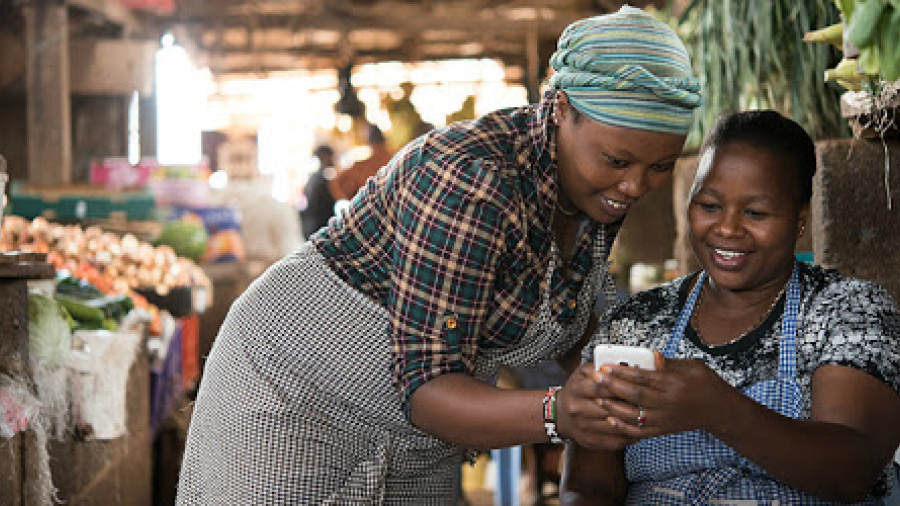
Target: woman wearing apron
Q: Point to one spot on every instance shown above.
(357, 370)
(789, 391)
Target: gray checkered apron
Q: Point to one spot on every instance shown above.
(297, 404)
(697, 468)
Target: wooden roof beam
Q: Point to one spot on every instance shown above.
(256, 61)
(111, 11)
(399, 24)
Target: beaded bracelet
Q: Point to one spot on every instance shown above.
(550, 415)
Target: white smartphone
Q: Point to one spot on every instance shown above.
(635, 356)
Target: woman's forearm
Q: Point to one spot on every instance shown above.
(462, 410)
(828, 460)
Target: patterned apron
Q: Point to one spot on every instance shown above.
(297, 404)
(695, 467)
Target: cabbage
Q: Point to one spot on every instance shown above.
(49, 336)
(187, 238)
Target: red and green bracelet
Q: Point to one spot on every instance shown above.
(550, 415)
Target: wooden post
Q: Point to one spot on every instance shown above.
(47, 68)
(19, 476)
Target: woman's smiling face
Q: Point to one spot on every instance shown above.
(745, 216)
(604, 169)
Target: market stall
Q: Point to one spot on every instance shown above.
(103, 345)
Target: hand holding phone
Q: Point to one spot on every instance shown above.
(617, 354)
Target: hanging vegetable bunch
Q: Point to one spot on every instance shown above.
(869, 36)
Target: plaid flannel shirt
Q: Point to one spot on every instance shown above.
(453, 238)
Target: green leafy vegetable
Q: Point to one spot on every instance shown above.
(49, 336)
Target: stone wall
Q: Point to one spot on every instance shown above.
(853, 228)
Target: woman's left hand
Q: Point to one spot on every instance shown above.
(680, 395)
(581, 417)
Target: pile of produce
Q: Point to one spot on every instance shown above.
(89, 308)
(99, 272)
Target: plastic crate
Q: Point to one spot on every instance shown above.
(29, 206)
(137, 207)
(74, 207)
(80, 202)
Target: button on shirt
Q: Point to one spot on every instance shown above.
(453, 238)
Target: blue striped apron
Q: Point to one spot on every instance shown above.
(695, 467)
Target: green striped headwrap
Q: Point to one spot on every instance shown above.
(627, 69)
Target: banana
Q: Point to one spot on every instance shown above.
(846, 69)
(833, 35)
(846, 74)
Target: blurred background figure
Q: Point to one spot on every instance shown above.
(270, 228)
(319, 201)
(406, 122)
(347, 182)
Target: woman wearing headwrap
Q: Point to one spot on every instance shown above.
(358, 369)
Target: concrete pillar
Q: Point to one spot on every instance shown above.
(853, 228)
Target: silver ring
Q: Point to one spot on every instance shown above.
(641, 418)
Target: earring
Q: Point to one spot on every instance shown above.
(554, 114)
(802, 229)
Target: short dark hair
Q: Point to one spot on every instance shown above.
(771, 131)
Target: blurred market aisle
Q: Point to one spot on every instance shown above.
(480, 480)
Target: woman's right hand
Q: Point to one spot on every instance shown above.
(581, 417)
